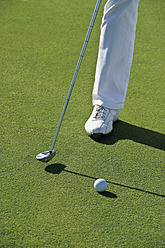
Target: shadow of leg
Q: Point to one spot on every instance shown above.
(123, 130)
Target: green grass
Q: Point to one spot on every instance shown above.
(55, 204)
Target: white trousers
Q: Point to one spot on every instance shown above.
(115, 53)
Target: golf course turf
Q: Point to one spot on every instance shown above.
(55, 204)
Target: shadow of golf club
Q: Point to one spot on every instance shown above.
(123, 130)
(58, 168)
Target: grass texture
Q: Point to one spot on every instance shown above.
(55, 204)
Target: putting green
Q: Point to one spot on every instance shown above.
(55, 204)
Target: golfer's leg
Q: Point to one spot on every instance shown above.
(115, 53)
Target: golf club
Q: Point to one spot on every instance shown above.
(48, 155)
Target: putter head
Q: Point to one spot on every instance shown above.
(45, 156)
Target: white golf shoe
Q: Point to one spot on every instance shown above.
(101, 121)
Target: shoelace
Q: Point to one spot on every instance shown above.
(100, 112)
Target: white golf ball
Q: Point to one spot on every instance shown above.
(100, 185)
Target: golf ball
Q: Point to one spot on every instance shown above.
(100, 185)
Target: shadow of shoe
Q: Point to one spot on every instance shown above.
(123, 130)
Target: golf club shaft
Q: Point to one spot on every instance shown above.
(77, 69)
